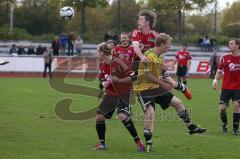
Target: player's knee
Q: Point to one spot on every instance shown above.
(236, 106)
(99, 118)
(122, 116)
(222, 108)
(177, 103)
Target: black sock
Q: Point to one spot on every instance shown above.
(101, 129)
(185, 82)
(185, 117)
(223, 116)
(128, 123)
(148, 136)
(236, 117)
(180, 87)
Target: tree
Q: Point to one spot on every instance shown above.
(128, 15)
(231, 20)
(200, 24)
(81, 5)
(177, 7)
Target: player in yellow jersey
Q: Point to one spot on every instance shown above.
(152, 87)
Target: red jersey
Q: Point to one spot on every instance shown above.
(183, 57)
(126, 53)
(230, 65)
(120, 69)
(146, 41)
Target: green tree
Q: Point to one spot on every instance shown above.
(177, 7)
(81, 6)
(38, 17)
(128, 14)
(231, 20)
(199, 24)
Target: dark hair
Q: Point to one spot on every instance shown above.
(149, 16)
(185, 44)
(237, 41)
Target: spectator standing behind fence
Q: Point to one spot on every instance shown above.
(206, 44)
(78, 45)
(71, 40)
(21, 50)
(13, 50)
(47, 57)
(63, 42)
(39, 50)
(214, 61)
(31, 50)
(55, 46)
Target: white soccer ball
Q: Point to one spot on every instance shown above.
(67, 12)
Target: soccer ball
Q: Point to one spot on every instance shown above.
(67, 12)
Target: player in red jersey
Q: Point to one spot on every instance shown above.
(229, 68)
(117, 96)
(183, 58)
(143, 37)
(124, 50)
(112, 44)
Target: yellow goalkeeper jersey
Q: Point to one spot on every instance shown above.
(155, 66)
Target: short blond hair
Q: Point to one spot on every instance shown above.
(149, 16)
(162, 38)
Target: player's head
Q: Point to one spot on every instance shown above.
(234, 44)
(146, 18)
(163, 43)
(103, 50)
(184, 45)
(112, 43)
(124, 39)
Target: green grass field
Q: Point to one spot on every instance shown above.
(30, 129)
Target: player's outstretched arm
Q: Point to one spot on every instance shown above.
(138, 51)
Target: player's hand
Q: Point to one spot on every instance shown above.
(214, 84)
(106, 83)
(144, 58)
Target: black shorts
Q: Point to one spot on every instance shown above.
(181, 71)
(150, 97)
(227, 94)
(110, 103)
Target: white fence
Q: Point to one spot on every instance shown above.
(85, 64)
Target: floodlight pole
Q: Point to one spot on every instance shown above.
(11, 16)
(118, 16)
(215, 18)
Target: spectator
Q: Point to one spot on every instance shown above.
(30, 50)
(206, 44)
(214, 44)
(78, 45)
(48, 57)
(13, 49)
(55, 46)
(21, 50)
(39, 50)
(214, 61)
(63, 42)
(71, 39)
